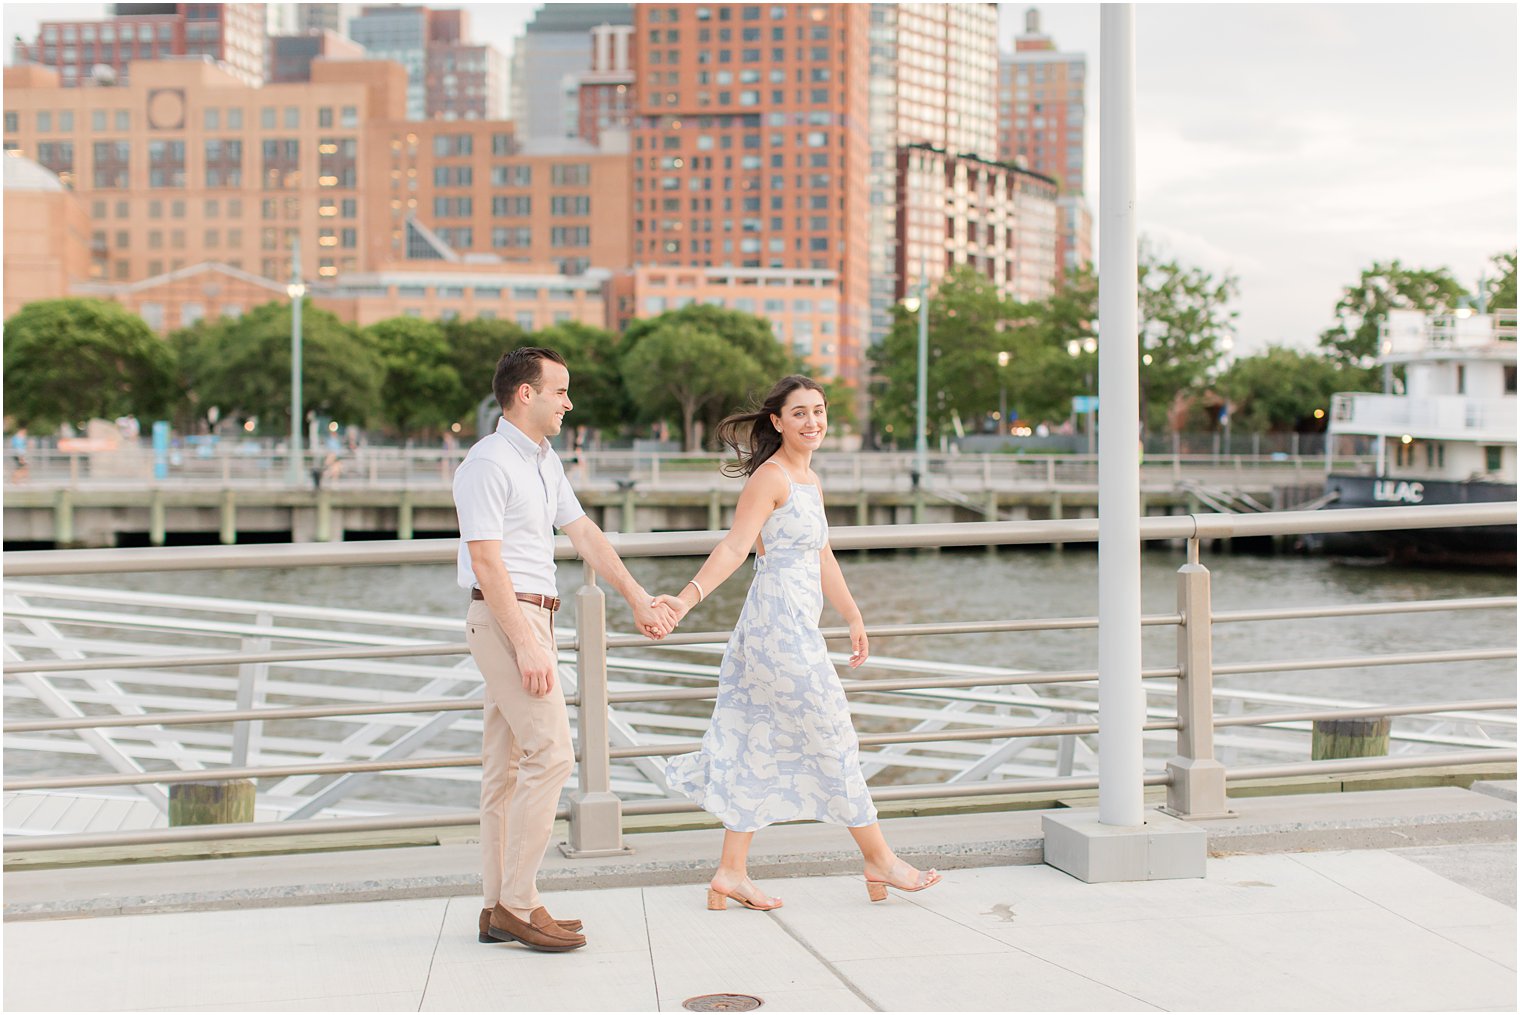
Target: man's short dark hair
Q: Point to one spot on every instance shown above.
(519, 367)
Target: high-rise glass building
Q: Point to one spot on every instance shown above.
(1042, 121)
(548, 61)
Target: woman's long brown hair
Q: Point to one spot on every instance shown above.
(752, 435)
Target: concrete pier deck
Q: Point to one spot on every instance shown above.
(1385, 900)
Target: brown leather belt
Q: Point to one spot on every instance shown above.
(550, 603)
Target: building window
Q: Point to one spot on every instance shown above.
(570, 236)
(112, 161)
(576, 174)
(123, 120)
(575, 205)
(282, 164)
(338, 163)
(1493, 458)
(511, 237)
(453, 207)
(504, 144)
(512, 176)
(224, 163)
(511, 206)
(447, 145)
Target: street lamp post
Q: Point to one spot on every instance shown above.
(297, 292)
(921, 441)
(1003, 358)
(1075, 349)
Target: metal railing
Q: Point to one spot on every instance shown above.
(989, 742)
(233, 465)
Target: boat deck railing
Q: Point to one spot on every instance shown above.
(360, 720)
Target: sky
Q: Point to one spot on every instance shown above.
(1289, 145)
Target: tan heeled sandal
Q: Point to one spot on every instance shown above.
(877, 890)
(718, 901)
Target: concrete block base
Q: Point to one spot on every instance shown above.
(596, 827)
(1164, 847)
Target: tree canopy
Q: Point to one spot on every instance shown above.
(242, 367)
(421, 388)
(680, 370)
(1353, 339)
(1281, 388)
(596, 378)
(68, 360)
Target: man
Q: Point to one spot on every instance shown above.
(510, 492)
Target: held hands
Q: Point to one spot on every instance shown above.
(654, 616)
(860, 648)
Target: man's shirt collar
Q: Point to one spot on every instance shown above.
(520, 440)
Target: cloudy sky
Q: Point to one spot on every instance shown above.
(1290, 145)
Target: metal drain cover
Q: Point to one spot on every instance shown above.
(722, 1002)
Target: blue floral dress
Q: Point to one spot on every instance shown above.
(781, 746)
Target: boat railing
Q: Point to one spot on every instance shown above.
(168, 689)
(1435, 416)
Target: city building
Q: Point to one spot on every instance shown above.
(291, 56)
(447, 78)
(532, 300)
(1042, 123)
(180, 298)
(993, 217)
(801, 304)
(605, 92)
(95, 51)
(47, 235)
(934, 80)
(300, 18)
(750, 148)
(548, 59)
(187, 164)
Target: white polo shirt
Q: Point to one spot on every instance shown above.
(509, 488)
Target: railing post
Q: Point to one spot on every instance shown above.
(250, 692)
(1196, 789)
(596, 814)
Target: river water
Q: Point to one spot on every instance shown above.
(963, 585)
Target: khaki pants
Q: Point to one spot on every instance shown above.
(527, 758)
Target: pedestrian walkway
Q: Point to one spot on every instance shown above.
(1354, 930)
(1289, 917)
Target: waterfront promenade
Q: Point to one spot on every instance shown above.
(1415, 911)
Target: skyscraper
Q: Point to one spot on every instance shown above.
(447, 77)
(933, 82)
(231, 34)
(1042, 118)
(750, 150)
(548, 60)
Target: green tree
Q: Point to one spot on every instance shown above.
(475, 347)
(1281, 388)
(679, 370)
(1353, 339)
(242, 367)
(69, 360)
(596, 377)
(1042, 374)
(420, 389)
(745, 333)
(967, 319)
(1185, 318)
(1501, 288)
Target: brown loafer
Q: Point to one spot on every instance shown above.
(540, 933)
(485, 924)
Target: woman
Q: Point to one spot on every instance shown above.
(781, 746)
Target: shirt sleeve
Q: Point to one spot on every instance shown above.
(481, 491)
(569, 506)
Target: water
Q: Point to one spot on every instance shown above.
(956, 586)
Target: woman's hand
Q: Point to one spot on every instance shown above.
(860, 648)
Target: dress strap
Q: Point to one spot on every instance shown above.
(772, 461)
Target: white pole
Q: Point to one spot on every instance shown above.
(921, 441)
(1121, 697)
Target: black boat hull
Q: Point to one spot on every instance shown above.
(1473, 546)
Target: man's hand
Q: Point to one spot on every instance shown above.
(537, 666)
(654, 619)
(676, 604)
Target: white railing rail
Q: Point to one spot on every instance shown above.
(427, 694)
